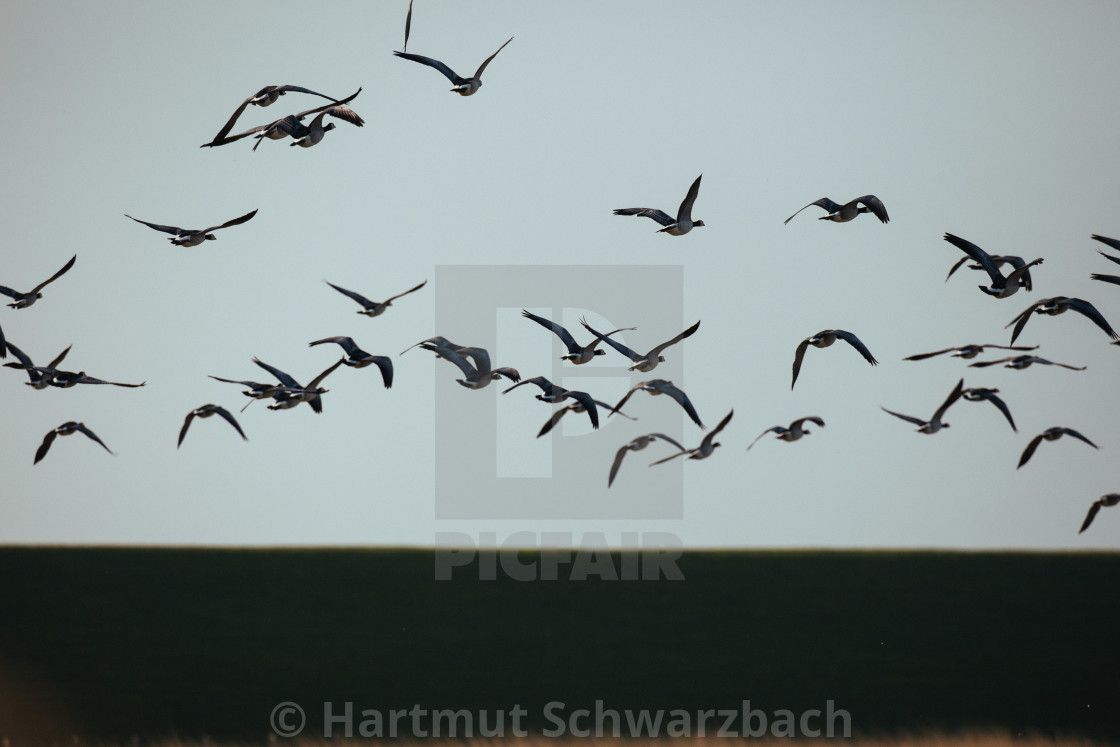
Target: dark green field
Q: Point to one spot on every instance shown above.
(110, 643)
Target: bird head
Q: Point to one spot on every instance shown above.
(697, 223)
(211, 237)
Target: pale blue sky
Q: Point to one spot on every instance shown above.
(995, 121)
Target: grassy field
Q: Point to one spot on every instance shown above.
(109, 644)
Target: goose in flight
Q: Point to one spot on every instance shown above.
(966, 351)
(67, 379)
(644, 363)
(1104, 501)
(823, 339)
(1001, 286)
(1059, 305)
(373, 308)
(638, 444)
(1024, 361)
(838, 213)
(190, 236)
(462, 86)
(934, 424)
(793, 433)
(262, 98)
(999, 260)
(706, 447)
(1050, 434)
(358, 358)
(662, 386)
(66, 429)
(23, 300)
(577, 406)
(204, 412)
(291, 393)
(274, 130)
(40, 376)
(577, 354)
(683, 222)
(553, 394)
(980, 394)
(478, 375)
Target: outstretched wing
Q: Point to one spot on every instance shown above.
(229, 419)
(798, 356)
(80, 427)
(876, 206)
(855, 342)
(564, 335)
(365, 302)
(685, 210)
(410, 290)
(823, 202)
(1029, 451)
(953, 397)
(687, 333)
(1092, 512)
(186, 425)
(55, 276)
(282, 377)
(614, 344)
(982, 257)
(1075, 434)
(448, 72)
(774, 429)
(45, 446)
(923, 356)
(233, 222)
(166, 229)
(683, 400)
(478, 73)
(654, 213)
(1087, 309)
(916, 421)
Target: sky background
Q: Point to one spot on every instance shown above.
(995, 121)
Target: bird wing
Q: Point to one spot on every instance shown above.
(346, 343)
(410, 290)
(685, 210)
(510, 373)
(55, 276)
(540, 382)
(712, 433)
(981, 256)
(82, 428)
(923, 356)
(325, 107)
(823, 202)
(916, 421)
(478, 73)
(774, 429)
(229, 419)
(1114, 243)
(1087, 309)
(407, 25)
(318, 379)
(45, 446)
(282, 377)
(232, 222)
(798, 356)
(657, 215)
(876, 206)
(186, 425)
(564, 335)
(454, 357)
(552, 421)
(481, 358)
(1109, 257)
(683, 400)
(854, 341)
(1075, 434)
(166, 229)
(618, 457)
(673, 441)
(589, 405)
(1029, 451)
(953, 397)
(616, 345)
(1021, 320)
(956, 266)
(24, 361)
(365, 302)
(687, 333)
(1114, 279)
(9, 292)
(811, 418)
(628, 394)
(345, 113)
(385, 365)
(448, 72)
(1092, 512)
(1002, 406)
(671, 456)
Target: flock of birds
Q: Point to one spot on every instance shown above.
(474, 363)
